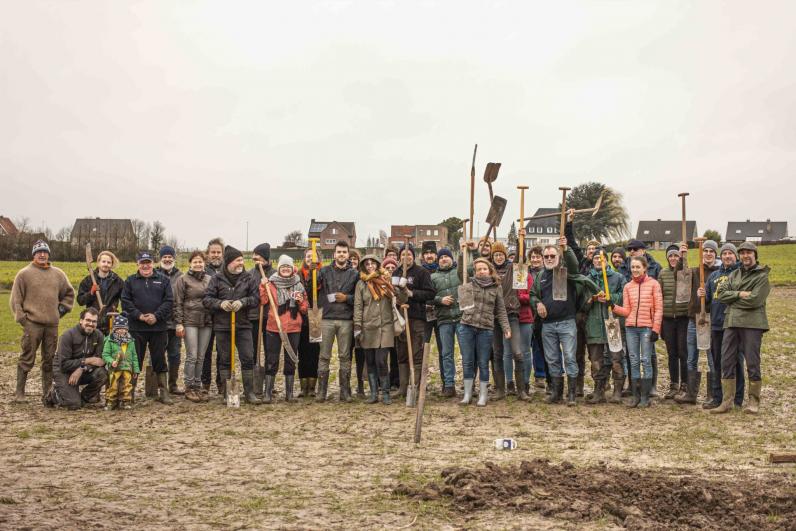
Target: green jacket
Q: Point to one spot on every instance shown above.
(129, 360)
(751, 312)
(584, 287)
(598, 311)
(668, 282)
(447, 283)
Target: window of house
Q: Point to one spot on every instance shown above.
(331, 241)
(334, 231)
(738, 231)
(760, 231)
(436, 232)
(550, 230)
(428, 232)
(667, 232)
(646, 232)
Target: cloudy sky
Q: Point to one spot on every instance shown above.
(207, 114)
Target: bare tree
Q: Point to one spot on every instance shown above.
(22, 224)
(64, 234)
(141, 231)
(295, 237)
(156, 235)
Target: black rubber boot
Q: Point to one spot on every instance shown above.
(579, 385)
(248, 388)
(500, 385)
(636, 388)
(518, 384)
(712, 401)
(323, 386)
(174, 372)
(598, 396)
(289, 381)
(268, 384)
(616, 398)
(572, 390)
(692, 388)
(163, 389)
(646, 386)
(557, 390)
(403, 380)
(22, 378)
(345, 386)
(373, 383)
(385, 390)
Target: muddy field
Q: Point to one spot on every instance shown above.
(305, 465)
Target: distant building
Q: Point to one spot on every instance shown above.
(7, 227)
(330, 232)
(419, 234)
(756, 231)
(543, 231)
(660, 234)
(101, 233)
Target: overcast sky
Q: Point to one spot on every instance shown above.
(207, 114)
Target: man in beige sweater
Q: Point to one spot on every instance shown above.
(41, 296)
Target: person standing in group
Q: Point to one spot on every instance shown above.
(261, 256)
(40, 296)
(358, 353)
(148, 301)
(338, 282)
(308, 352)
(541, 376)
(109, 285)
(675, 322)
(390, 264)
(446, 304)
(428, 255)
(642, 307)
(193, 321)
(214, 264)
(169, 269)
(233, 291)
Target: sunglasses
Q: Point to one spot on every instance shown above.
(550, 256)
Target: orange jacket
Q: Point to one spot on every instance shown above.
(643, 304)
(288, 325)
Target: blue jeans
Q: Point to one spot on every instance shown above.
(693, 352)
(640, 349)
(526, 338)
(508, 349)
(446, 333)
(475, 345)
(564, 333)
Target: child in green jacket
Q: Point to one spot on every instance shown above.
(121, 361)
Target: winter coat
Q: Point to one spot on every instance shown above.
(306, 278)
(37, 292)
(142, 295)
(653, 267)
(446, 283)
(642, 304)
(336, 280)
(751, 312)
(598, 311)
(220, 289)
(488, 309)
(374, 318)
(74, 346)
(128, 361)
(668, 282)
(173, 274)
(717, 308)
(579, 291)
(506, 274)
(254, 312)
(584, 264)
(524, 296)
(189, 291)
(289, 324)
(110, 289)
(418, 281)
(694, 305)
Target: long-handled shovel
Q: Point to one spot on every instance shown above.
(233, 396)
(315, 313)
(472, 193)
(259, 368)
(490, 176)
(593, 211)
(683, 284)
(421, 400)
(465, 290)
(560, 273)
(89, 262)
(494, 216)
(519, 268)
(410, 390)
(703, 328)
(612, 330)
(275, 314)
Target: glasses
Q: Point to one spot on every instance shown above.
(550, 256)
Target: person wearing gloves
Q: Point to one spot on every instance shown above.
(233, 291)
(109, 285)
(169, 269)
(214, 264)
(285, 288)
(390, 264)
(308, 351)
(446, 302)
(261, 255)
(121, 361)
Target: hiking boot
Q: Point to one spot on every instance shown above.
(468, 391)
(572, 385)
(483, 392)
(248, 388)
(556, 390)
(206, 388)
(616, 397)
(448, 392)
(163, 389)
(753, 407)
(598, 396)
(174, 370)
(192, 395)
(289, 381)
(373, 383)
(692, 389)
(500, 385)
(323, 385)
(636, 389)
(728, 397)
(22, 378)
(268, 385)
(674, 388)
(683, 391)
(385, 390)
(345, 386)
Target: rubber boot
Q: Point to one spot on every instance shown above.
(303, 391)
(510, 388)
(483, 392)
(22, 378)
(692, 388)
(468, 392)
(654, 390)
(572, 390)
(403, 379)
(133, 384)
(672, 392)
(361, 387)
(290, 379)
(311, 384)
(616, 398)
(385, 390)
(598, 396)
(579, 386)
(708, 380)
(683, 390)
(46, 381)
(646, 386)
(753, 407)
(373, 383)
(728, 397)
(556, 391)
(711, 402)
(174, 371)
(163, 389)
(323, 386)
(500, 385)
(635, 387)
(518, 384)
(268, 384)
(248, 388)
(345, 386)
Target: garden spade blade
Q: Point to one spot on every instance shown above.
(520, 275)
(683, 292)
(495, 213)
(466, 297)
(315, 315)
(703, 331)
(614, 333)
(560, 274)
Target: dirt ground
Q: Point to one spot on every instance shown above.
(307, 465)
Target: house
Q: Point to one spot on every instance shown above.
(329, 233)
(756, 231)
(418, 234)
(543, 231)
(7, 227)
(112, 234)
(660, 234)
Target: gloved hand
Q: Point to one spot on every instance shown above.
(62, 310)
(180, 331)
(654, 337)
(237, 305)
(94, 288)
(226, 306)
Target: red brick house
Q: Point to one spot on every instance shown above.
(330, 232)
(7, 227)
(419, 234)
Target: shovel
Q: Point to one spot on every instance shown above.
(593, 211)
(421, 401)
(89, 262)
(703, 328)
(410, 390)
(560, 273)
(683, 277)
(233, 397)
(259, 369)
(612, 329)
(519, 268)
(472, 193)
(494, 215)
(465, 290)
(490, 176)
(315, 313)
(275, 314)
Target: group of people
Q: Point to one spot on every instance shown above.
(382, 310)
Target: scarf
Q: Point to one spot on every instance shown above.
(431, 267)
(378, 285)
(286, 289)
(119, 339)
(198, 275)
(233, 278)
(503, 268)
(45, 266)
(640, 279)
(484, 282)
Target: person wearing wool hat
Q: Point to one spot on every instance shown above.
(40, 297)
(109, 285)
(357, 352)
(429, 262)
(446, 304)
(674, 330)
(169, 269)
(121, 361)
(308, 352)
(233, 291)
(745, 321)
(261, 255)
(637, 248)
(618, 257)
(390, 264)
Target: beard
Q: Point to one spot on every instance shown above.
(550, 267)
(167, 267)
(215, 263)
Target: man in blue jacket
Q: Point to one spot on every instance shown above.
(147, 301)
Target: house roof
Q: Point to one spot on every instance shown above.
(316, 227)
(664, 230)
(7, 226)
(765, 230)
(553, 221)
(103, 226)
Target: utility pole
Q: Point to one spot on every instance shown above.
(247, 234)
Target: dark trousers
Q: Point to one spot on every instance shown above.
(674, 332)
(207, 365)
(256, 336)
(716, 341)
(70, 396)
(359, 359)
(273, 346)
(432, 328)
(539, 370)
(603, 361)
(243, 345)
(394, 376)
(377, 360)
(417, 331)
(307, 353)
(580, 350)
(156, 341)
(740, 343)
(173, 348)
